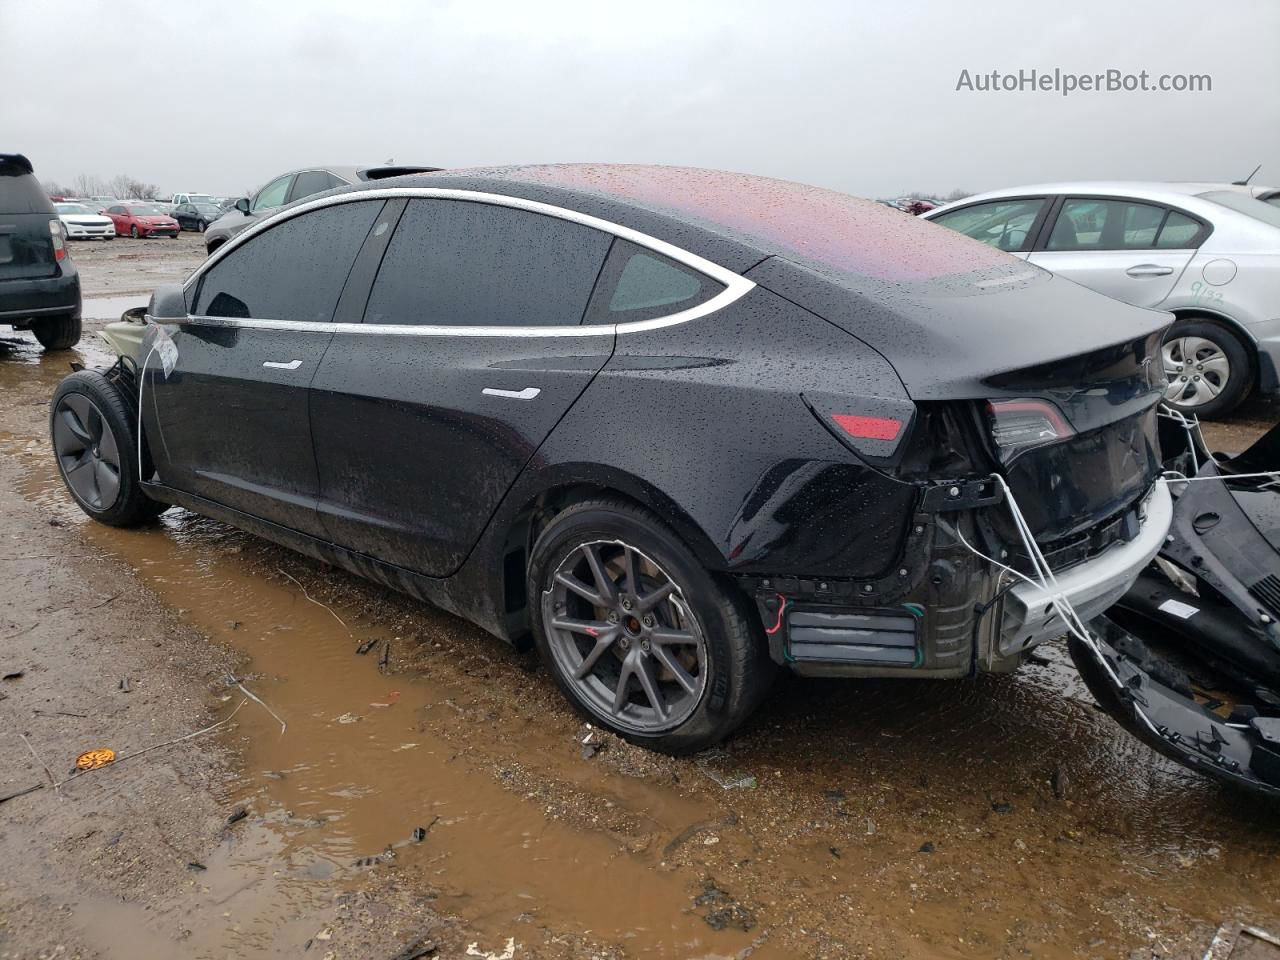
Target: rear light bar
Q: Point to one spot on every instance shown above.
(58, 232)
(1018, 425)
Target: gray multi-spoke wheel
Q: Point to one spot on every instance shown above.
(96, 450)
(620, 626)
(1206, 366)
(88, 455)
(637, 633)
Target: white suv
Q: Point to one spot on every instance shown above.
(1207, 253)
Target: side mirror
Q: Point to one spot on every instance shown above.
(243, 205)
(168, 303)
(133, 315)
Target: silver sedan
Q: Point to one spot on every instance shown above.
(1207, 253)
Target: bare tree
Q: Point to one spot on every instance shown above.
(55, 189)
(957, 194)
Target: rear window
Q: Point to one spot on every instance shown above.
(20, 191)
(1250, 207)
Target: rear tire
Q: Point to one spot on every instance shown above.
(1197, 347)
(57, 333)
(676, 674)
(96, 451)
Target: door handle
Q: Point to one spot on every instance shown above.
(528, 393)
(281, 365)
(1149, 270)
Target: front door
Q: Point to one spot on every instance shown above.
(470, 352)
(232, 418)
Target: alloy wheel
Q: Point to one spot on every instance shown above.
(621, 631)
(1197, 369)
(88, 456)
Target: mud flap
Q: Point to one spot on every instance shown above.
(1243, 751)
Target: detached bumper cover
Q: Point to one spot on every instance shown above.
(1091, 587)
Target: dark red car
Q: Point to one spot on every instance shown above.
(142, 220)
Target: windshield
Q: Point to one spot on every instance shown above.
(146, 210)
(72, 208)
(206, 207)
(1247, 205)
(199, 198)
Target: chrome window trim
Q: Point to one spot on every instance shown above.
(735, 286)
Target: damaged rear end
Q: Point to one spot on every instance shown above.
(1021, 383)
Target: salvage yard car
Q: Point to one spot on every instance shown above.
(1207, 253)
(678, 427)
(290, 188)
(39, 285)
(142, 219)
(82, 223)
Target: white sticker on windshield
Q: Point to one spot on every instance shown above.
(1179, 609)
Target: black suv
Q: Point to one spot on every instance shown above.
(39, 285)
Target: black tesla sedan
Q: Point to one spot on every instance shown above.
(680, 427)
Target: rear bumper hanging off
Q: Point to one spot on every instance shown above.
(1091, 587)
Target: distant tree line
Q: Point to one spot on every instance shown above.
(87, 185)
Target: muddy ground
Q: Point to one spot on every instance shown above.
(435, 791)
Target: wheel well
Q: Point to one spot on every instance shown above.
(525, 528)
(1250, 348)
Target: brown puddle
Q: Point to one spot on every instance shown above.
(359, 769)
(874, 773)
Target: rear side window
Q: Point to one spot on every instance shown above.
(639, 284)
(1089, 224)
(1178, 233)
(469, 264)
(20, 191)
(1003, 224)
(310, 182)
(294, 271)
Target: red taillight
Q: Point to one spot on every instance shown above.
(1018, 425)
(868, 428)
(58, 232)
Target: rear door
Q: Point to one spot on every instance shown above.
(232, 418)
(470, 352)
(1131, 250)
(310, 182)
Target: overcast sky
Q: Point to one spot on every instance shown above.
(219, 96)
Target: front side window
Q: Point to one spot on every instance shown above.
(1003, 224)
(273, 194)
(1088, 224)
(294, 271)
(470, 264)
(639, 284)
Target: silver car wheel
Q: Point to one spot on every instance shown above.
(1197, 369)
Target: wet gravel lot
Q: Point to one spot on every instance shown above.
(437, 791)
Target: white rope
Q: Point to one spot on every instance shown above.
(1046, 581)
(142, 380)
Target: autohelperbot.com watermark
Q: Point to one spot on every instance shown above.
(1065, 82)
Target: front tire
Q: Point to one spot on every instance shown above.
(637, 634)
(133, 231)
(1208, 368)
(57, 333)
(96, 450)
